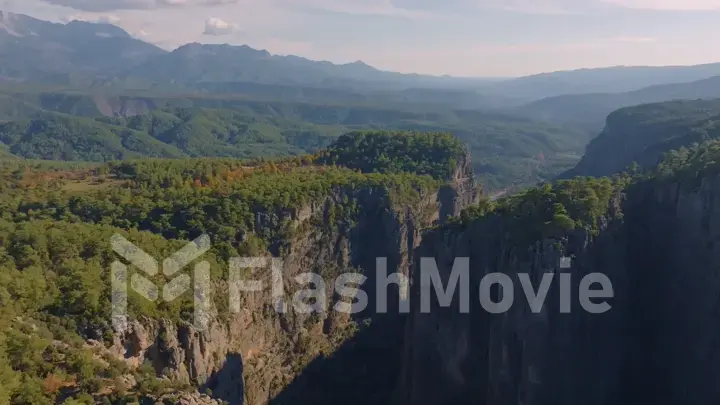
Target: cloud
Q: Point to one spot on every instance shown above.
(465, 7)
(556, 6)
(670, 5)
(110, 5)
(279, 46)
(218, 27)
(93, 18)
(636, 40)
(533, 7)
(359, 7)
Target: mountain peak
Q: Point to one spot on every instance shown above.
(20, 25)
(6, 16)
(13, 24)
(196, 49)
(359, 63)
(101, 29)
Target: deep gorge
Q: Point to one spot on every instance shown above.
(655, 242)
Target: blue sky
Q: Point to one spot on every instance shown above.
(455, 37)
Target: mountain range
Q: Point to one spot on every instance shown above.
(74, 53)
(100, 55)
(518, 130)
(643, 134)
(591, 109)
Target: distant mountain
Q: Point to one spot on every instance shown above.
(591, 109)
(642, 134)
(197, 65)
(606, 80)
(41, 51)
(63, 137)
(84, 55)
(507, 150)
(169, 133)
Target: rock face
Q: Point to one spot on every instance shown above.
(657, 344)
(256, 355)
(123, 106)
(675, 304)
(463, 190)
(177, 352)
(518, 356)
(188, 399)
(642, 134)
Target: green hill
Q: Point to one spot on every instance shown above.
(590, 110)
(507, 150)
(436, 155)
(644, 133)
(225, 133)
(63, 137)
(162, 133)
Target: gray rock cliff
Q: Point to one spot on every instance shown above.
(657, 344)
(252, 355)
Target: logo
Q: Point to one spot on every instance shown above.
(170, 291)
(310, 292)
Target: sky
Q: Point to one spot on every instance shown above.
(481, 38)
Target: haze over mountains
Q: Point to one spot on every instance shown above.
(81, 54)
(330, 168)
(520, 130)
(591, 109)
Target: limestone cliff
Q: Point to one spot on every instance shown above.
(657, 344)
(253, 355)
(642, 134)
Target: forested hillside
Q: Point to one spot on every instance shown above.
(590, 110)
(507, 150)
(364, 195)
(617, 79)
(651, 234)
(57, 344)
(644, 133)
(431, 154)
(63, 137)
(109, 144)
(162, 133)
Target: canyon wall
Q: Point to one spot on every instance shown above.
(657, 344)
(257, 355)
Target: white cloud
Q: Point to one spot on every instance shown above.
(361, 7)
(93, 18)
(109, 5)
(677, 5)
(578, 6)
(636, 40)
(218, 27)
(533, 7)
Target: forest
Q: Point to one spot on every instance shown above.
(332, 166)
(57, 219)
(507, 150)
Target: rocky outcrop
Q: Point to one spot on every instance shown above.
(642, 134)
(188, 399)
(111, 106)
(657, 343)
(252, 354)
(462, 191)
(518, 356)
(175, 351)
(672, 328)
